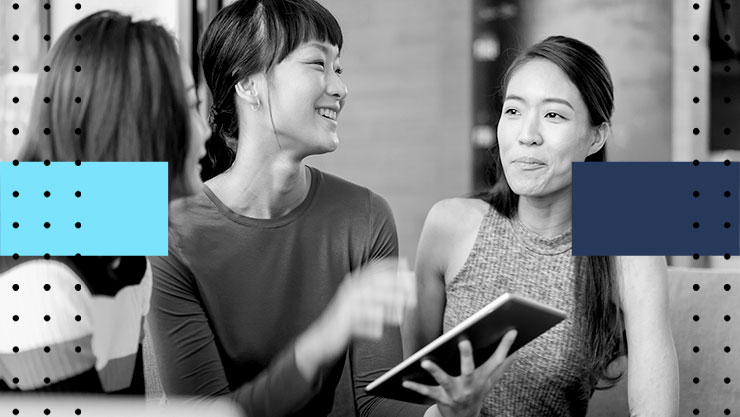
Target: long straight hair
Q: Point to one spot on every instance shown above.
(602, 325)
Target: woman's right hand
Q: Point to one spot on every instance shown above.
(366, 301)
(463, 396)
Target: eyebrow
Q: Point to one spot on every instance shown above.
(547, 100)
(322, 47)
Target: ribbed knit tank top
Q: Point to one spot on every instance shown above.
(546, 379)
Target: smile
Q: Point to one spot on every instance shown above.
(327, 113)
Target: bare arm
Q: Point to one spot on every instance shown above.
(653, 367)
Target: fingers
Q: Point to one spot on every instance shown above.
(435, 393)
(467, 364)
(498, 357)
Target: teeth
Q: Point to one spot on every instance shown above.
(328, 113)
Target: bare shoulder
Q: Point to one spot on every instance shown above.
(458, 214)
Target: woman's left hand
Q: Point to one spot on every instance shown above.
(463, 396)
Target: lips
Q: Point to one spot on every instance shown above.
(328, 113)
(526, 160)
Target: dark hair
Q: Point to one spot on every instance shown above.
(602, 324)
(246, 38)
(132, 104)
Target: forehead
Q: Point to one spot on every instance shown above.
(540, 78)
(314, 45)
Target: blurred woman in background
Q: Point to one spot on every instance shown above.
(130, 99)
(516, 237)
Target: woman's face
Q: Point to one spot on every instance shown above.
(199, 134)
(544, 126)
(306, 97)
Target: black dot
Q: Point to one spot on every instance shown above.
(696, 6)
(16, 100)
(15, 132)
(727, 68)
(47, 256)
(47, 38)
(78, 6)
(15, 38)
(15, 225)
(696, 287)
(15, 6)
(78, 100)
(15, 349)
(15, 68)
(727, 410)
(727, 256)
(78, 317)
(16, 287)
(16, 380)
(47, 411)
(78, 162)
(696, 99)
(15, 164)
(47, 6)
(696, 194)
(727, 194)
(727, 380)
(727, 38)
(47, 68)
(47, 194)
(78, 287)
(696, 225)
(47, 349)
(727, 225)
(727, 349)
(47, 131)
(727, 317)
(78, 225)
(47, 317)
(78, 131)
(78, 38)
(78, 68)
(47, 287)
(696, 37)
(696, 380)
(727, 131)
(727, 162)
(16, 194)
(78, 411)
(728, 287)
(47, 225)
(78, 349)
(15, 256)
(77, 255)
(46, 381)
(47, 162)
(696, 68)
(696, 349)
(696, 130)
(78, 194)
(696, 317)
(47, 100)
(727, 99)
(16, 318)
(696, 162)
(15, 411)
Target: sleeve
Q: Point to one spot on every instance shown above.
(188, 358)
(370, 360)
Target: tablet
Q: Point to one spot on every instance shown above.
(484, 329)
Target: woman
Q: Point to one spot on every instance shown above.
(517, 238)
(245, 304)
(132, 100)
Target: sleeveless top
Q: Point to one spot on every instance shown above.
(546, 378)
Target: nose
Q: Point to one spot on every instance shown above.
(337, 88)
(530, 131)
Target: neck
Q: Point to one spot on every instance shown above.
(262, 184)
(547, 216)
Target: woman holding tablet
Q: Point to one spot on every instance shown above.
(516, 237)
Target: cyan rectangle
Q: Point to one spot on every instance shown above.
(656, 208)
(121, 208)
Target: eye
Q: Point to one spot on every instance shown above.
(319, 63)
(339, 70)
(511, 112)
(553, 115)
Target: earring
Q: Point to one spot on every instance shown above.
(256, 106)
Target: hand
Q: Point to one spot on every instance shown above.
(367, 300)
(463, 396)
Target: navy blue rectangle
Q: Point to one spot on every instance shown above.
(650, 208)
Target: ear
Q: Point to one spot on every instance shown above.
(599, 137)
(246, 89)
